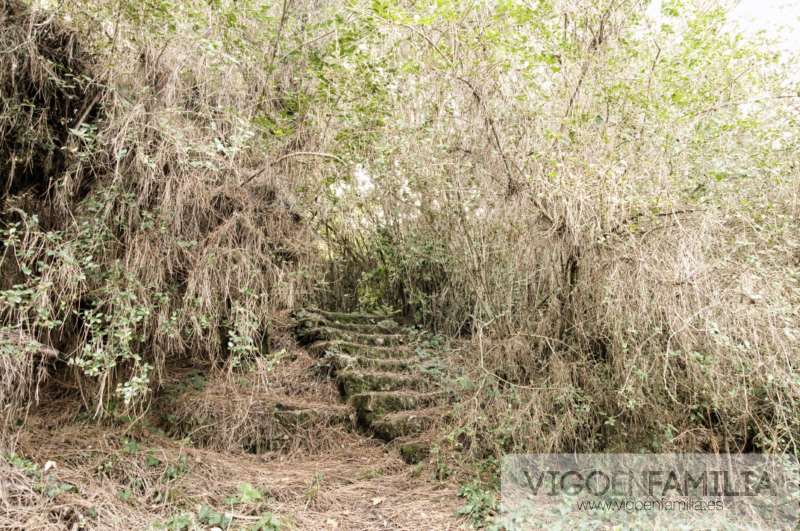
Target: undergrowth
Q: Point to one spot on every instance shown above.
(599, 210)
(140, 222)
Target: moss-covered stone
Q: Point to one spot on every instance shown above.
(306, 320)
(387, 365)
(320, 348)
(373, 405)
(413, 452)
(304, 417)
(308, 335)
(352, 381)
(339, 361)
(402, 424)
(354, 318)
(378, 369)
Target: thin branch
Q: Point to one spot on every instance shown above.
(305, 44)
(495, 135)
(630, 219)
(310, 154)
(294, 154)
(86, 110)
(281, 24)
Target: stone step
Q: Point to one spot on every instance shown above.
(338, 361)
(413, 450)
(405, 423)
(353, 318)
(320, 333)
(354, 381)
(372, 405)
(320, 348)
(299, 417)
(310, 320)
(389, 384)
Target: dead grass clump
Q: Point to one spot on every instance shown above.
(48, 95)
(24, 499)
(225, 418)
(276, 405)
(22, 370)
(175, 239)
(134, 478)
(16, 491)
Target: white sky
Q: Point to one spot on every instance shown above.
(777, 18)
(780, 18)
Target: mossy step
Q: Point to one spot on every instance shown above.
(309, 335)
(353, 382)
(291, 416)
(339, 361)
(354, 317)
(310, 321)
(412, 450)
(322, 347)
(375, 404)
(404, 423)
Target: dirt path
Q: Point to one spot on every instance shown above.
(314, 448)
(135, 479)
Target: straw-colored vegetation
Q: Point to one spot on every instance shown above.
(590, 214)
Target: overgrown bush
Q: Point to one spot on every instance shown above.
(601, 200)
(157, 229)
(607, 202)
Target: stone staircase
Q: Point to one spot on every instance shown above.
(380, 374)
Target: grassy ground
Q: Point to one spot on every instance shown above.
(603, 224)
(190, 463)
(74, 473)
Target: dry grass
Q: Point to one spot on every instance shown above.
(624, 263)
(252, 410)
(670, 339)
(45, 79)
(42, 79)
(358, 486)
(162, 233)
(621, 290)
(22, 371)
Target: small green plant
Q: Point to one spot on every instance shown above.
(242, 346)
(45, 484)
(176, 470)
(28, 467)
(313, 489)
(130, 446)
(179, 522)
(246, 494)
(207, 516)
(151, 460)
(480, 504)
(267, 522)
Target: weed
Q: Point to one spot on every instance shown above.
(267, 522)
(480, 504)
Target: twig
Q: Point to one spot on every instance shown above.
(638, 215)
(739, 102)
(281, 24)
(294, 154)
(88, 109)
(306, 43)
(309, 153)
(506, 163)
